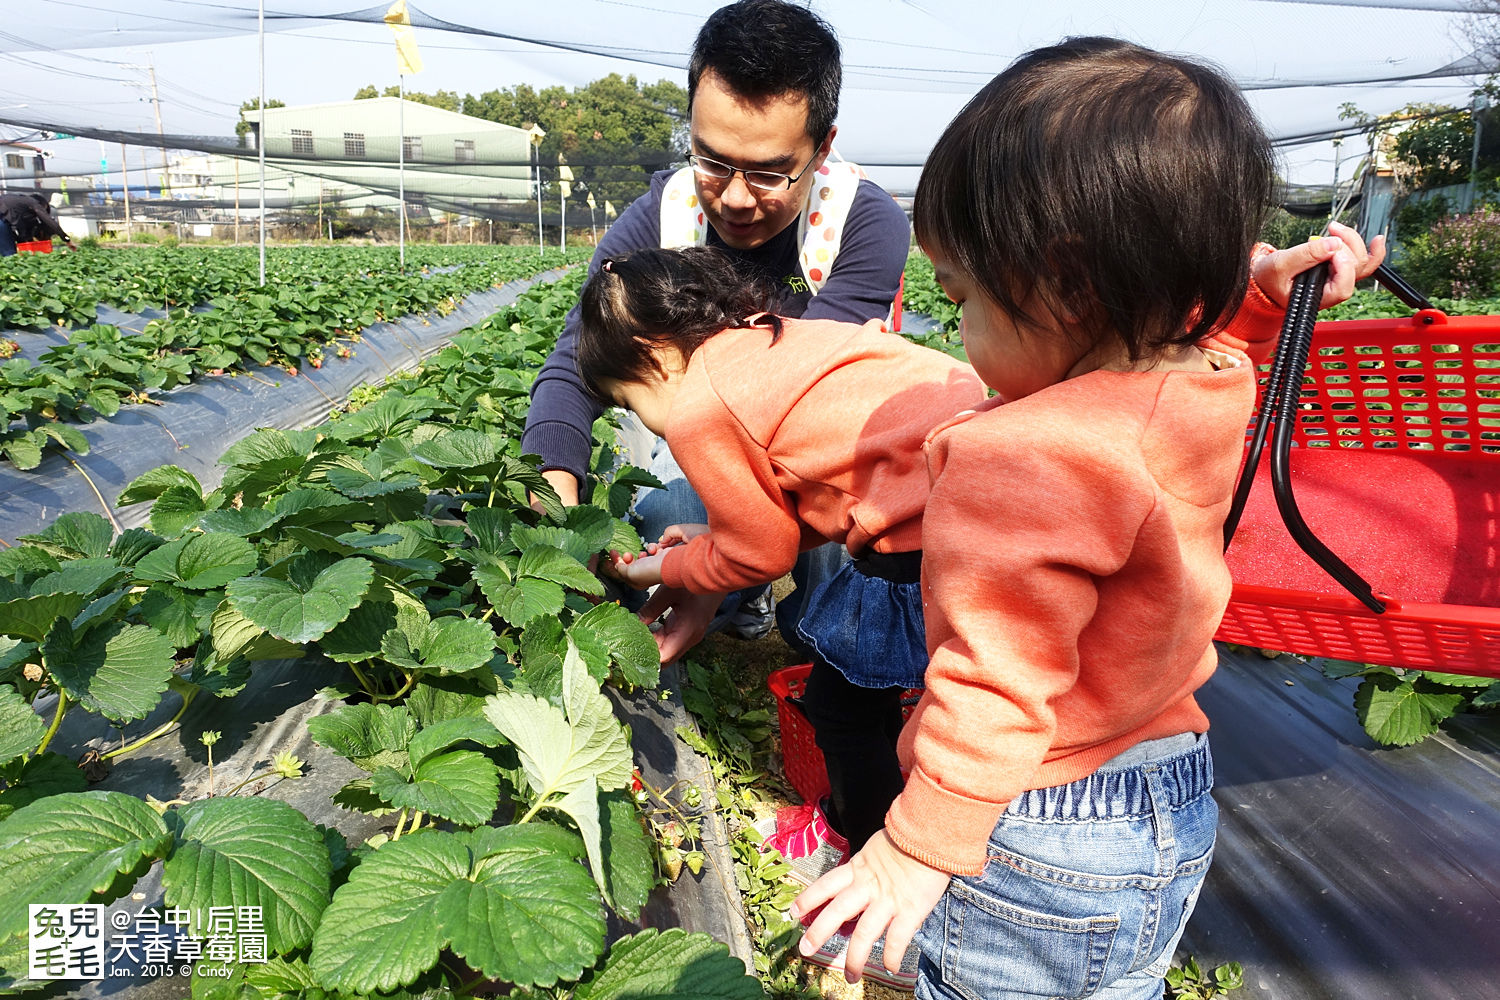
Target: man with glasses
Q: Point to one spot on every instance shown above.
(763, 91)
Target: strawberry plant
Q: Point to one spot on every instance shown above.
(314, 301)
(399, 544)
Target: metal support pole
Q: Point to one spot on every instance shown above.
(1471, 190)
(401, 168)
(125, 186)
(260, 142)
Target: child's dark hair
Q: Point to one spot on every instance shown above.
(652, 298)
(1123, 187)
(767, 48)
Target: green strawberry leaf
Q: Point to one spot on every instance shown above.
(440, 735)
(132, 546)
(78, 535)
(1397, 711)
(117, 670)
(31, 617)
(200, 561)
(40, 776)
(521, 602)
(670, 965)
(448, 645)
(544, 562)
(358, 637)
(21, 729)
(503, 900)
(79, 847)
(171, 611)
(234, 635)
(79, 576)
(370, 736)
(563, 751)
(153, 483)
(462, 786)
(300, 609)
(631, 646)
(244, 522)
(464, 449)
(175, 509)
(250, 852)
(28, 560)
(491, 527)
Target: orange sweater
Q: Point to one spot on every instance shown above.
(1073, 577)
(815, 437)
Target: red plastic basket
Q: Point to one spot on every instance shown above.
(35, 246)
(1396, 466)
(801, 759)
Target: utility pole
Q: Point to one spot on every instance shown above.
(160, 132)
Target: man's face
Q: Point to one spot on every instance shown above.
(768, 134)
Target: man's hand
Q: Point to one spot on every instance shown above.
(687, 623)
(1349, 260)
(890, 892)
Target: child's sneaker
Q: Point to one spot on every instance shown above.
(803, 836)
(831, 956)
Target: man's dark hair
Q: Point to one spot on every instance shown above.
(1121, 186)
(40, 199)
(652, 298)
(767, 48)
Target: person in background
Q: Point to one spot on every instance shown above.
(763, 91)
(1094, 210)
(26, 218)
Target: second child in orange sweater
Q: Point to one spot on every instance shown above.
(1093, 210)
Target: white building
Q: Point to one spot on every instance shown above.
(451, 160)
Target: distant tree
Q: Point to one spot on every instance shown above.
(1428, 145)
(448, 100)
(242, 128)
(612, 132)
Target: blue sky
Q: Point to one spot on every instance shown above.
(910, 64)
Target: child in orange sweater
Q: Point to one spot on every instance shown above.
(793, 433)
(1094, 210)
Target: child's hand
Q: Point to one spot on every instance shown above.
(679, 534)
(640, 570)
(890, 892)
(1349, 261)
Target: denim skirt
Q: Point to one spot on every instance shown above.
(868, 628)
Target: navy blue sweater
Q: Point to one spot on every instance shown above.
(861, 287)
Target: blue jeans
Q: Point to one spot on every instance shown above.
(7, 240)
(1088, 887)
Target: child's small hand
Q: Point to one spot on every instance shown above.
(1349, 261)
(640, 570)
(679, 534)
(888, 890)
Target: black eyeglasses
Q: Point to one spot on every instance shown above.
(765, 180)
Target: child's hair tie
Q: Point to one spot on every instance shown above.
(608, 265)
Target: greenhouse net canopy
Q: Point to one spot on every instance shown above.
(157, 98)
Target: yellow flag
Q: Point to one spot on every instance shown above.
(609, 210)
(590, 201)
(408, 61)
(564, 180)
